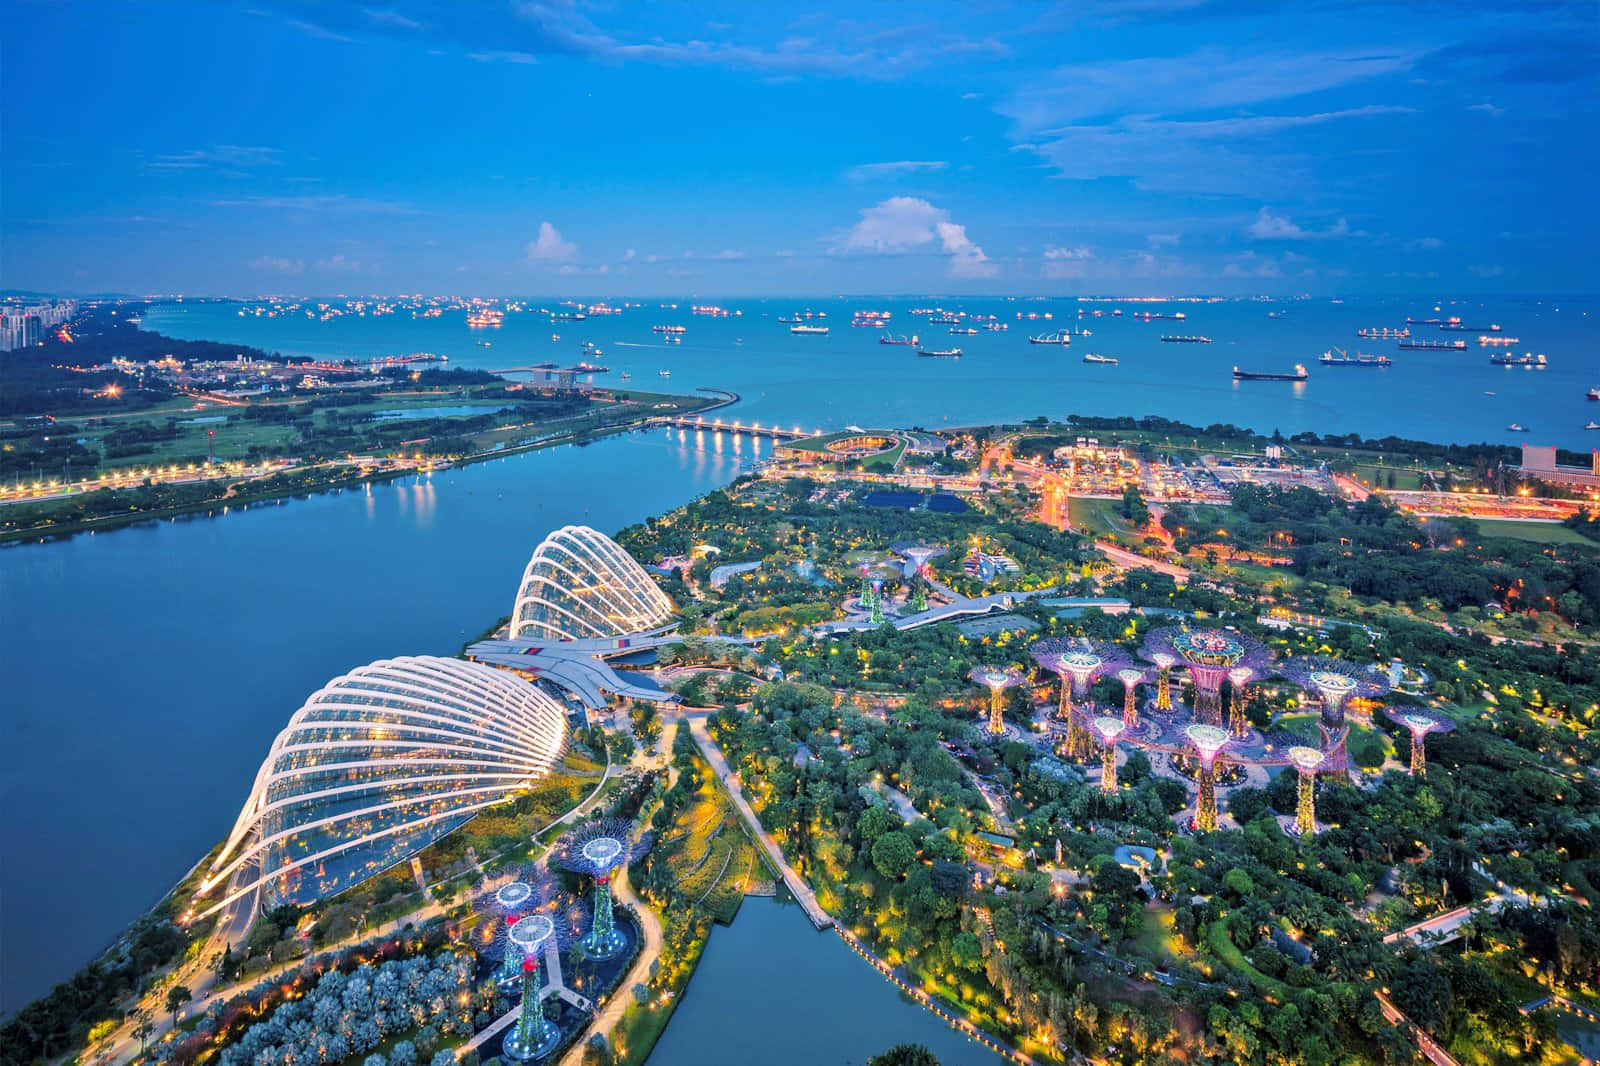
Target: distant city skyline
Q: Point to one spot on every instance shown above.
(1174, 146)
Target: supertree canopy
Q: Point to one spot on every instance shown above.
(1208, 654)
(1108, 729)
(1336, 682)
(1207, 740)
(1078, 663)
(1307, 761)
(501, 907)
(996, 680)
(598, 849)
(1131, 677)
(1420, 723)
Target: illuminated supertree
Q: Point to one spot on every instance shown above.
(1238, 677)
(866, 587)
(1164, 663)
(1420, 724)
(877, 601)
(1336, 682)
(1078, 663)
(917, 573)
(1131, 677)
(1108, 729)
(1306, 761)
(1207, 740)
(533, 1036)
(501, 908)
(996, 681)
(599, 849)
(1208, 654)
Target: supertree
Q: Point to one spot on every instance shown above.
(1164, 663)
(996, 681)
(501, 908)
(866, 587)
(533, 1035)
(1336, 682)
(1238, 677)
(1131, 677)
(1108, 729)
(1078, 663)
(1306, 761)
(1208, 654)
(1207, 740)
(599, 849)
(1420, 724)
(877, 601)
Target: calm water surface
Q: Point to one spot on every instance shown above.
(773, 990)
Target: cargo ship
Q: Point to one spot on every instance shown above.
(1526, 360)
(1594, 393)
(1090, 357)
(669, 329)
(1455, 325)
(1382, 333)
(932, 353)
(1424, 321)
(1500, 341)
(1060, 336)
(964, 331)
(809, 330)
(1434, 346)
(1186, 340)
(1156, 316)
(890, 338)
(1297, 374)
(1359, 359)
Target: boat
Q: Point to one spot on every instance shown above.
(669, 329)
(1382, 333)
(947, 319)
(1090, 357)
(1591, 424)
(1424, 321)
(1499, 340)
(665, 373)
(1516, 427)
(1486, 392)
(1081, 332)
(1526, 360)
(1060, 336)
(966, 331)
(1434, 346)
(890, 338)
(1594, 393)
(932, 353)
(485, 344)
(1154, 316)
(1454, 325)
(1359, 359)
(1186, 340)
(624, 376)
(808, 330)
(1298, 374)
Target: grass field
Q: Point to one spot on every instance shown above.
(1537, 532)
(1098, 517)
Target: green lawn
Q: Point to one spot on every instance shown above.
(1101, 517)
(1538, 532)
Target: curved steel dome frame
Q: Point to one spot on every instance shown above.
(580, 585)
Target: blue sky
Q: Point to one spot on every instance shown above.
(1321, 146)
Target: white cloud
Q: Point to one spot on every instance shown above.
(1162, 240)
(277, 264)
(905, 223)
(1066, 262)
(898, 168)
(1271, 227)
(549, 247)
(627, 257)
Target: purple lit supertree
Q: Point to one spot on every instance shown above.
(1239, 677)
(1208, 654)
(1420, 723)
(598, 849)
(1336, 682)
(500, 907)
(996, 681)
(1164, 663)
(1207, 741)
(1307, 761)
(1131, 677)
(1078, 663)
(1108, 729)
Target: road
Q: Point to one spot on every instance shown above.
(1127, 560)
(797, 885)
(1434, 1053)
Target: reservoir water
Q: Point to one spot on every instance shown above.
(771, 989)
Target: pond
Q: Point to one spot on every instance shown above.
(773, 990)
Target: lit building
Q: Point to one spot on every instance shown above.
(579, 585)
(377, 765)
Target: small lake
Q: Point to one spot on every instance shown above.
(402, 414)
(773, 990)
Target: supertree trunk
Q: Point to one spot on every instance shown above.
(1238, 725)
(1130, 708)
(1164, 689)
(1205, 811)
(1108, 770)
(997, 718)
(1305, 815)
(1419, 756)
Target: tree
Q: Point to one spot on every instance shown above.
(966, 951)
(892, 854)
(144, 1024)
(177, 996)
(904, 1055)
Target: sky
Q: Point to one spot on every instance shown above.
(525, 148)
